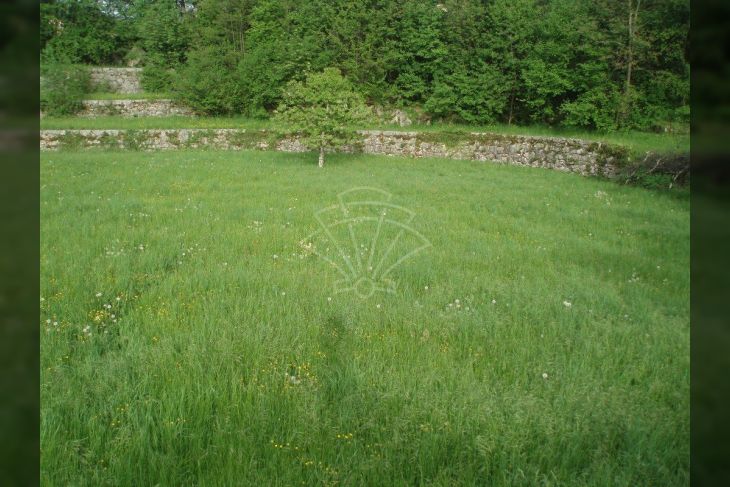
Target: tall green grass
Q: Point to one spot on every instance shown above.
(543, 339)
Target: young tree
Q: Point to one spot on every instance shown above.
(322, 110)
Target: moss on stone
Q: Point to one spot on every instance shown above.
(134, 139)
(71, 141)
(615, 155)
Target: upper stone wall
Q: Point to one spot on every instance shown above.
(116, 80)
(132, 108)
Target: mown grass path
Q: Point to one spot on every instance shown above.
(188, 339)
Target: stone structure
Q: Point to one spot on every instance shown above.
(401, 118)
(132, 108)
(116, 80)
(563, 154)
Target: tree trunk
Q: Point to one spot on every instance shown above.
(321, 157)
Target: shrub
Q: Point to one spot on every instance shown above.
(472, 98)
(164, 41)
(208, 84)
(157, 79)
(658, 171)
(82, 31)
(591, 110)
(63, 89)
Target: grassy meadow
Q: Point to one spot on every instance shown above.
(189, 339)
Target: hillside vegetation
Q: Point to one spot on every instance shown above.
(602, 64)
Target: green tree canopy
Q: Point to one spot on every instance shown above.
(604, 64)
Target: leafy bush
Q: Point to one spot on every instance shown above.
(591, 110)
(472, 98)
(208, 83)
(63, 88)
(157, 79)
(659, 171)
(83, 32)
(164, 41)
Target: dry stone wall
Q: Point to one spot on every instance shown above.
(563, 154)
(116, 80)
(132, 108)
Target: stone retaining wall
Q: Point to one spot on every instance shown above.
(563, 154)
(116, 80)
(132, 108)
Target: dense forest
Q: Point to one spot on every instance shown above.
(600, 64)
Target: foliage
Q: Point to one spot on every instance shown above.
(157, 78)
(322, 110)
(164, 41)
(658, 171)
(63, 88)
(601, 65)
(79, 31)
(475, 97)
(207, 83)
